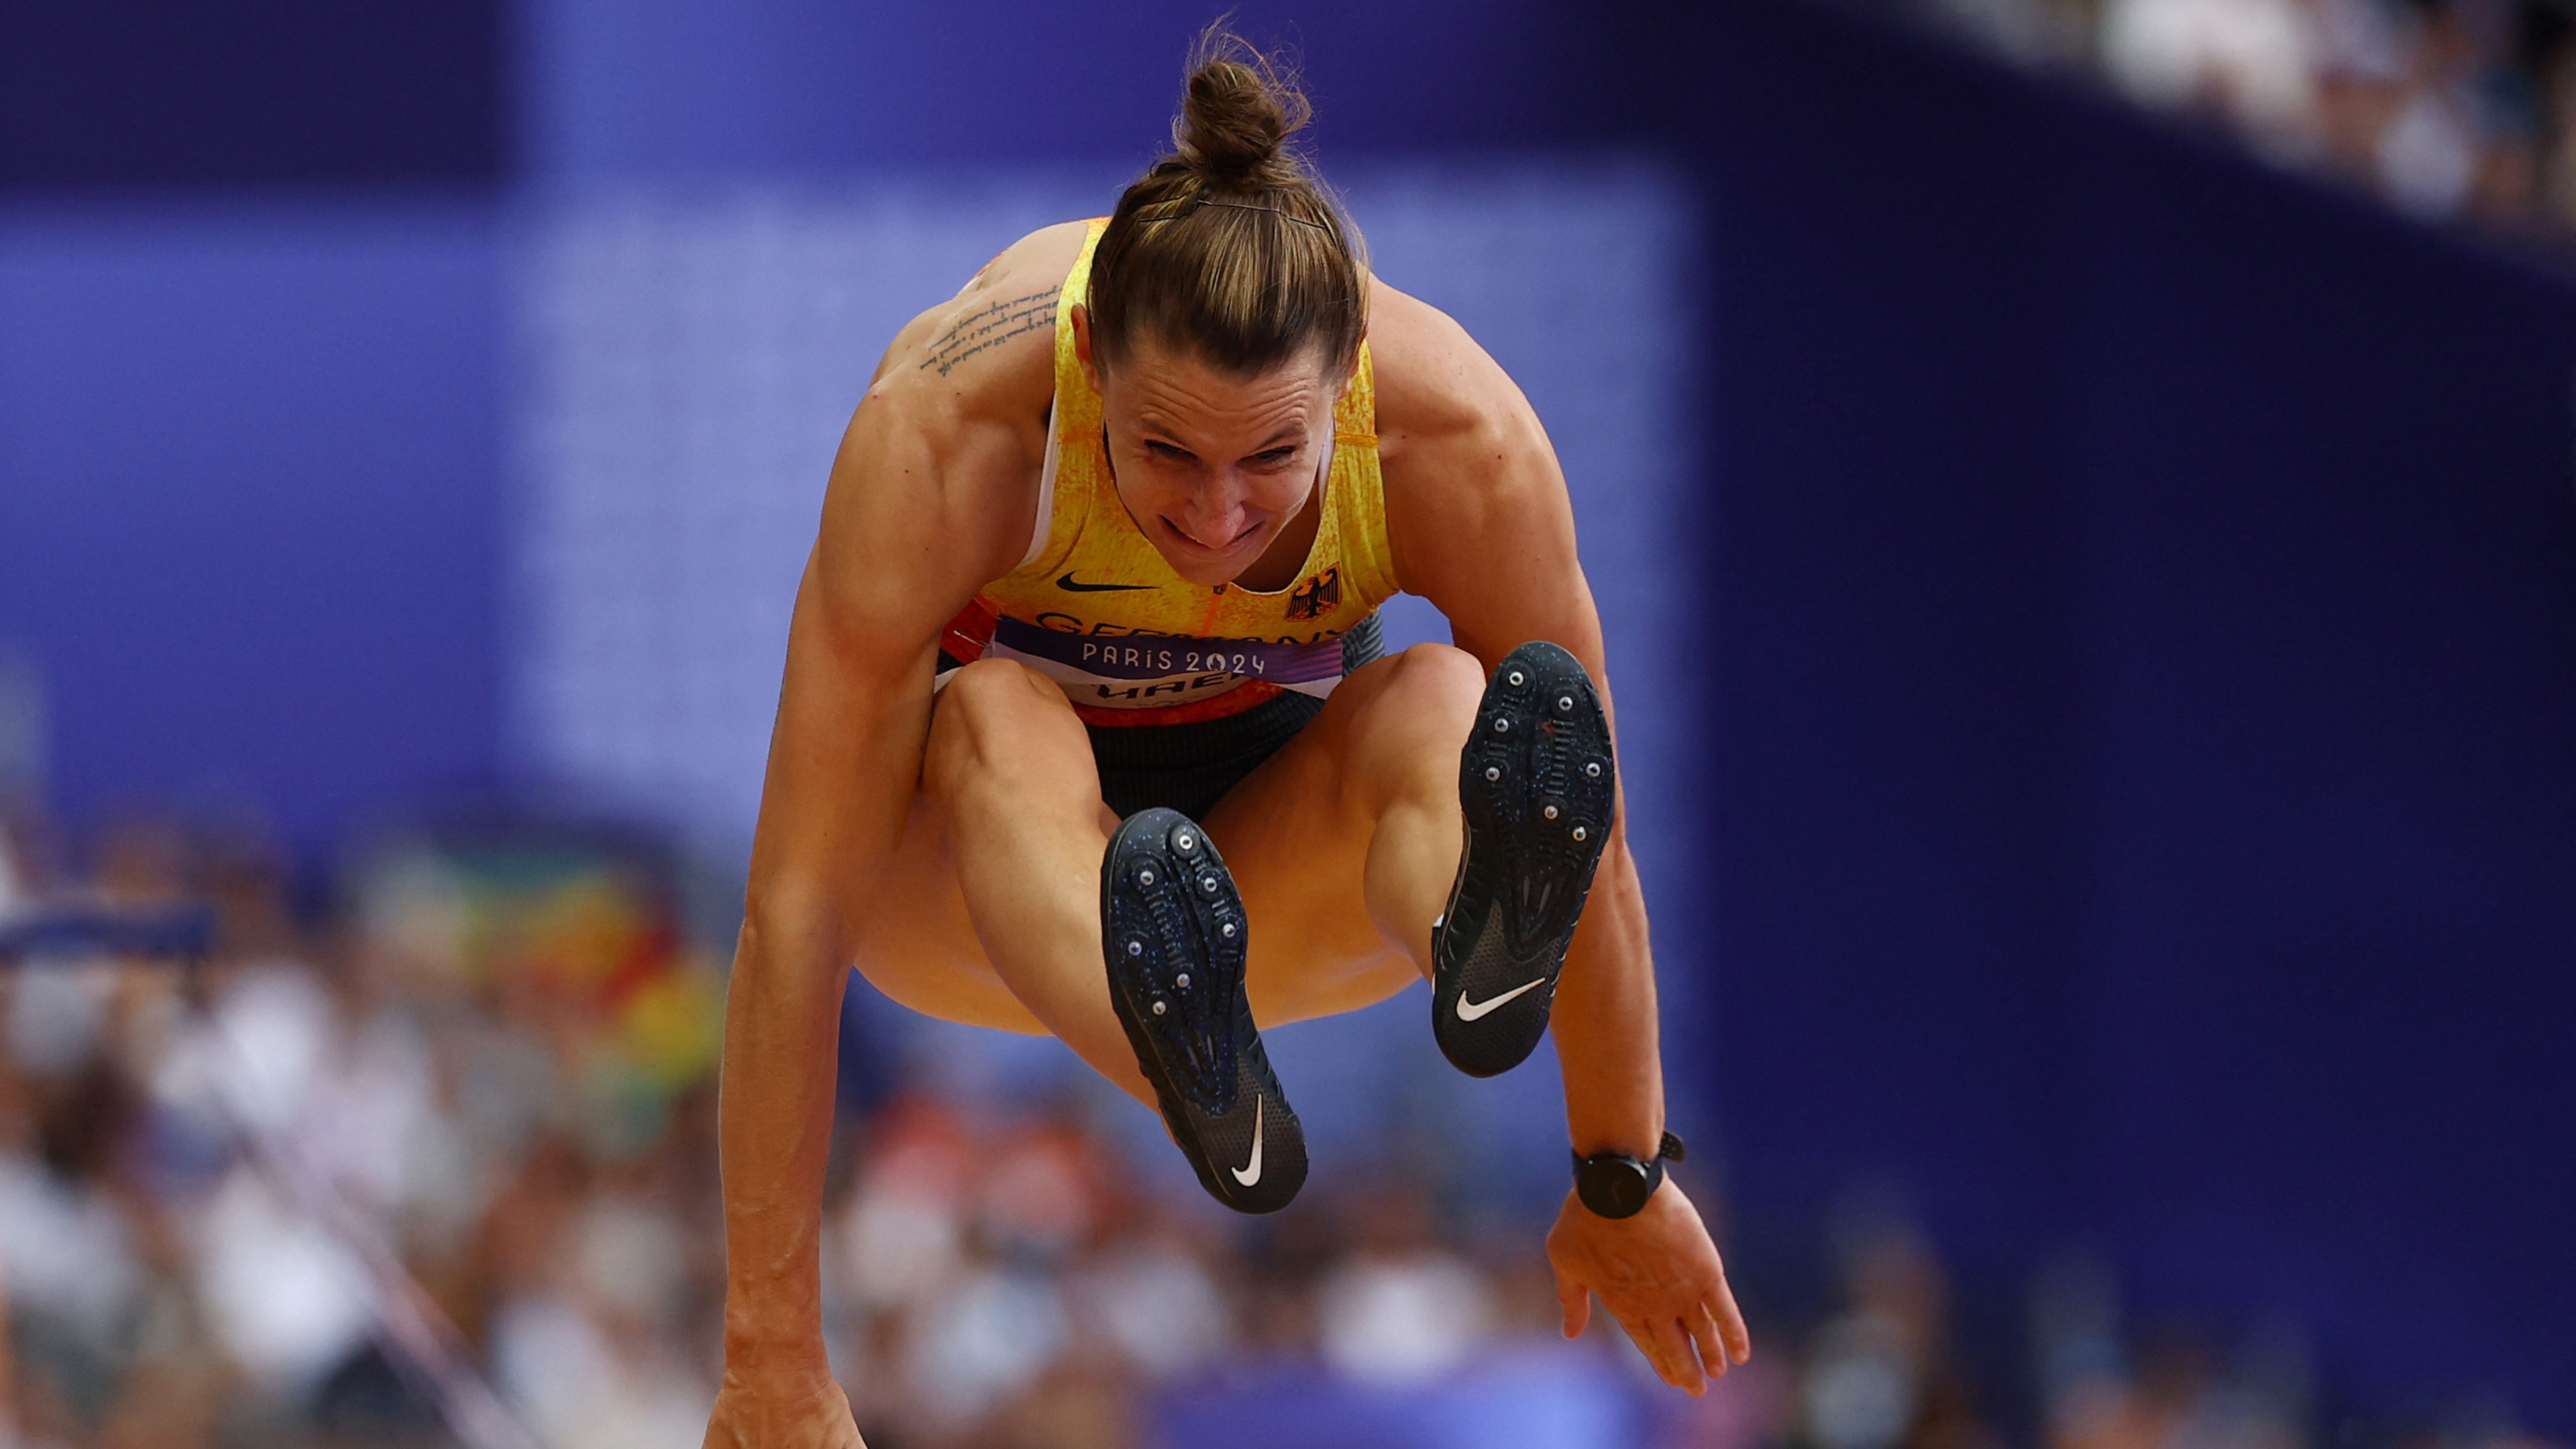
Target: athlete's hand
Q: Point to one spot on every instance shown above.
(1660, 1277)
(799, 1409)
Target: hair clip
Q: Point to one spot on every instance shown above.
(1273, 210)
(1202, 200)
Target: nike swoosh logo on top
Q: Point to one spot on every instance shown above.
(1478, 1010)
(1250, 1172)
(1069, 586)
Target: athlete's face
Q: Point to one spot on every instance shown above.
(1212, 465)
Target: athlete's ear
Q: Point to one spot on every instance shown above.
(1082, 345)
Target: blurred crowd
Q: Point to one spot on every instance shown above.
(454, 1130)
(475, 1104)
(2448, 108)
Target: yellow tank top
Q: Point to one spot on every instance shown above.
(1094, 607)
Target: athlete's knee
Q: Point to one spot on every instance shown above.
(1440, 678)
(985, 709)
(990, 686)
(1408, 728)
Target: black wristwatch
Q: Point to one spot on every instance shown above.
(1616, 1186)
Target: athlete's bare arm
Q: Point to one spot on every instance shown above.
(1480, 523)
(932, 495)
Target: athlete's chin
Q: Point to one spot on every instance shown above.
(1206, 576)
(1200, 564)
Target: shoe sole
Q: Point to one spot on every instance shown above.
(1173, 932)
(1538, 787)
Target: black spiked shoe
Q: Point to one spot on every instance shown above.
(1538, 788)
(1172, 928)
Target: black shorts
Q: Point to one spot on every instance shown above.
(1189, 767)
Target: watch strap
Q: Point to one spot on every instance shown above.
(1671, 1149)
(1614, 1185)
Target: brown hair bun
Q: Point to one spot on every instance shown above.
(1237, 113)
(1231, 247)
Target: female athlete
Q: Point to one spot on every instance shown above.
(1085, 732)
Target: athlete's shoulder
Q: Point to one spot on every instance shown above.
(1013, 297)
(949, 438)
(1437, 388)
(1470, 477)
(1044, 256)
(991, 347)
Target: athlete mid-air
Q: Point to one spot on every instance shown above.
(1085, 731)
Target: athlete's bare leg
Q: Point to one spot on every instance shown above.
(1011, 791)
(1343, 845)
(1346, 843)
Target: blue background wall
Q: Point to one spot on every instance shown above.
(252, 93)
(249, 500)
(686, 87)
(2141, 597)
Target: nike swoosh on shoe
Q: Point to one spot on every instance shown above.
(1478, 1010)
(1250, 1173)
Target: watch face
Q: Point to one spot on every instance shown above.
(1615, 1187)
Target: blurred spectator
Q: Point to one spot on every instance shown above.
(2250, 62)
(2447, 108)
(1401, 1309)
(1879, 1374)
(2103, 1388)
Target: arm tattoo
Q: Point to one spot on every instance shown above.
(991, 327)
